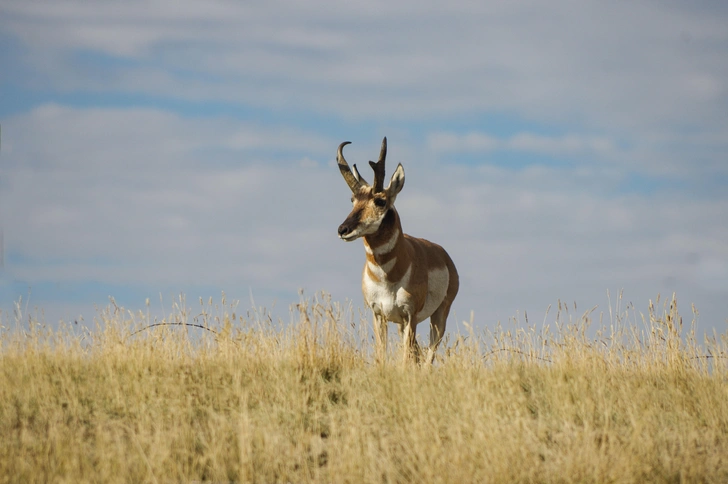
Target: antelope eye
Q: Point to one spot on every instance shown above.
(380, 202)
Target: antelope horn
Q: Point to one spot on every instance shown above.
(378, 168)
(357, 175)
(353, 181)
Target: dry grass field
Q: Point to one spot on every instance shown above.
(243, 398)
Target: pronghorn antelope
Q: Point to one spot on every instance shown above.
(406, 280)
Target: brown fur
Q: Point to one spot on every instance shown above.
(414, 287)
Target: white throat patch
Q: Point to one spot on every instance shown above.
(385, 248)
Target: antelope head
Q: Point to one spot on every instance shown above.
(371, 202)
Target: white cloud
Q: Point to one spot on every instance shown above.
(162, 198)
(631, 69)
(519, 238)
(570, 144)
(467, 142)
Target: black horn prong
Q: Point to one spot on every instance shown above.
(378, 168)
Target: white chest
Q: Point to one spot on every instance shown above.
(395, 302)
(390, 300)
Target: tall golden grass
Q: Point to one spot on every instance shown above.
(213, 395)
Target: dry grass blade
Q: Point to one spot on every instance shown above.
(243, 398)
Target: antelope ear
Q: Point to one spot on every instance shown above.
(397, 182)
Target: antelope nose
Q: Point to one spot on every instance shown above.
(343, 230)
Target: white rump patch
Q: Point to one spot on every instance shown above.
(438, 281)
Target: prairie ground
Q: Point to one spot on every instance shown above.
(212, 395)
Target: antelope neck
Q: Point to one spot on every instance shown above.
(381, 247)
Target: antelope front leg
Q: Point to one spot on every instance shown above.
(409, 343)
(380, 334)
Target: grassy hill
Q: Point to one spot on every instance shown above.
(243, 398)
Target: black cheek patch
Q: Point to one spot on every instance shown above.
(388, 218)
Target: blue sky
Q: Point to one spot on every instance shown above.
(557, 150)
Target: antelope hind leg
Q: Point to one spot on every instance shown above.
(410, 348)
(438, 320)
